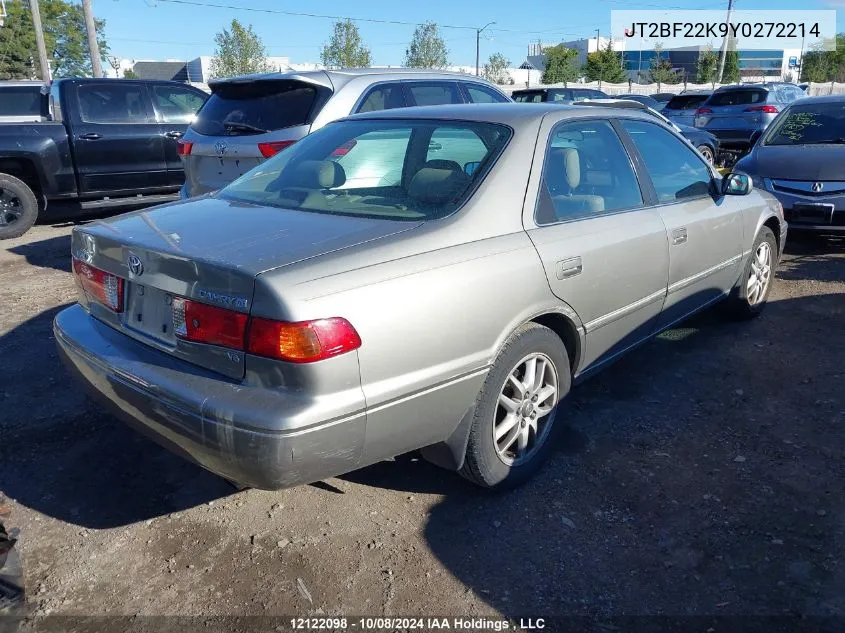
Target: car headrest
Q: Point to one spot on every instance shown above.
(437, 186)
(564, 167)
(319, 174)
(439, 163)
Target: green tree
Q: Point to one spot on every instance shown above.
(605, 65)
(427, 49)
(239, 52)
(345, 49)
(496, 69)
(707, 66)
(660, 69)
(820, 65)
(731, 72)
(560, 65)
(64, 38)
(130, 74)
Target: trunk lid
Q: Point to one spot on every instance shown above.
(208, 250)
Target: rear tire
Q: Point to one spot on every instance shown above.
(520, 406)
(18, 207)
(751, 292)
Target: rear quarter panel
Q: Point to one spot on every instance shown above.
(46, 147)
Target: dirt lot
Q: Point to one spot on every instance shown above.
(702, 474)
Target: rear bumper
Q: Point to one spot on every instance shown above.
(199, 415)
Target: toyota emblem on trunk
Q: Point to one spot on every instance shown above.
(221, 148)
(817, 187)
(135, 265)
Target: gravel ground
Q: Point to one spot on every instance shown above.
(702, 474)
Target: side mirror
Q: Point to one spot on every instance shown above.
(755, 136)
(469, 168)
(735, 184)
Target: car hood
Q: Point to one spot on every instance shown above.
(240, 236)
(800, 162)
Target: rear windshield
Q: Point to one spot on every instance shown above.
(685, 102)
(737, 97)
(579, 94)
(809, 124)
(255, 108)
(376, 169)
(20, 101)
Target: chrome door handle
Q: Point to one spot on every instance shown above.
(91, 136)
(174, 134)
(679, 236)
(569, 268)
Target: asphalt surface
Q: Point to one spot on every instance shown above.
(701, 475)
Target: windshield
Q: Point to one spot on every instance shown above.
(738, 97)
(808, 124)
(397, 169)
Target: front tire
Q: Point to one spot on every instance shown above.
(752, 290)
(18, 207)
(517, 414)
(705, 151)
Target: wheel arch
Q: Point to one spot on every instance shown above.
(25, 170)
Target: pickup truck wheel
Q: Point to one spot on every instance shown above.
(18, 207)
(751, 292)
(517, 415)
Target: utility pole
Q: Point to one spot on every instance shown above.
(725, 44)
(39, 40)
(93, 47)
(478, 46)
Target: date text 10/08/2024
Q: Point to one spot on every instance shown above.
(423, 624)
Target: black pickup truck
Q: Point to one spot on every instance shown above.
(104, 142)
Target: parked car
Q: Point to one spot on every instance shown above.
(706, 144)
(557, 95)
(682, 108)
(290, 327)
(22, 102)
(734, 113)
(104, 142)
(663, 98)
(646, 100)
(800, 158)
(249, 119)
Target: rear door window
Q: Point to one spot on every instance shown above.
(114, 102)
(256, 107)
(21, 101)
(738, 97)
(384, 97)
(434, 92)
(560, 95)
(481, 94)
(528, 97)
(176, 104)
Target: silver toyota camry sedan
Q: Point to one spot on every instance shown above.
(426, 278)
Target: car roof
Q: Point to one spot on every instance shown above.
(693, 93)
(21, 82)
(821, 99)
(504, 113)
(337, 78)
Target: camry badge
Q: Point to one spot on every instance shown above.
(135, 265)
(817, 187)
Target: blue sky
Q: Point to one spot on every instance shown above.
(155, 29)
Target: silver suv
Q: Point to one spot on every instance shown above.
(249, 119)
(734, 113)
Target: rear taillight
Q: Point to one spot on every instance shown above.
(99, 285)
(768, 109)
(701, 111)
(202, 323)
(183, 148)
(344, 149)
(301, 342)
(272, 148)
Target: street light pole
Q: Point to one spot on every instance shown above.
(478, 46)
(93, 46)
(39, 40)
(725, 43)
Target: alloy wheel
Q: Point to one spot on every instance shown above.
(11, 207)
(760, 275)
(525, 409)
